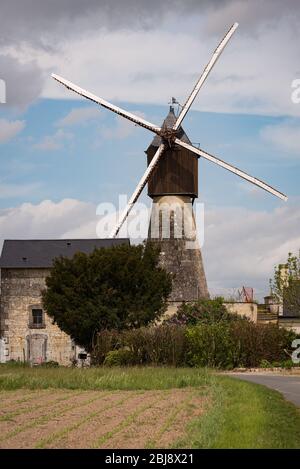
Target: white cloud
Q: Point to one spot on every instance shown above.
(80, 115)
(9, 129)
(53, 142)
(47, 219)
(140, 52)
(285, 136)
(17, 190)
(24, 80)
(243, 80)
(241, 246)
(121, 129)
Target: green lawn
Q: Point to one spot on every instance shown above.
(237, 415)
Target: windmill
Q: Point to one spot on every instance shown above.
(172, 177)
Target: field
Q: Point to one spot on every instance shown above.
(140, 408)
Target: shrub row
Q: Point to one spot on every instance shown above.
(222, 345)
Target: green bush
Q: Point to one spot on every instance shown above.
(288, 364)
(50, 364)
(120, 357)
(203, 311)
(163, 345)
(209, 345)
(160, 345)
(237, 344)
(104, 342)
(265, 364)
(223, 344)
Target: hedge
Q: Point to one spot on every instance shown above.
(223, 345)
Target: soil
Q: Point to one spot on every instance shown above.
(97, 419)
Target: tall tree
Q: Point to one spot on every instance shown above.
(285, 286)
(112, 288)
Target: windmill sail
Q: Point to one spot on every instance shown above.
(204, 75)
(232, 169)
(92, 97)
(171, 135)
(138, 189)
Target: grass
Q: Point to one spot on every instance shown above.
(239, 414)
(133, 378)
(245, 415)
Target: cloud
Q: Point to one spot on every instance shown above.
(285, 137)
(24, 80)
(39, 22)
(121, 129)
(241, 82)
(9, 129)
(241, 247)
(17, 190)
(252, 15)
(47, 219)
(82, 40)
(53, 142)
(79, 116)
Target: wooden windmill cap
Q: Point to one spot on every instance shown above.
(169, 122)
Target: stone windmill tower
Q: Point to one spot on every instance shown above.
(172, 177)
(173, 188)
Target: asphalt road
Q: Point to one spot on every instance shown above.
(289, 386)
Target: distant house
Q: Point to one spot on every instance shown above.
(291, 299)
(26, 331)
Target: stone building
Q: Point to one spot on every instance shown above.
(26, 331)
(173, 188)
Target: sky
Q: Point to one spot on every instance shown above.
(61, 156)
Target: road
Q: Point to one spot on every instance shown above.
(288, 385)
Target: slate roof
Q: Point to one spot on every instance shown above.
(169, 122)
(40, 253)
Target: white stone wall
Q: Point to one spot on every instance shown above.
(20, 291)
(243, 309)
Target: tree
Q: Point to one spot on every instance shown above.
(285, 286)
(112, 288)
(203, 311)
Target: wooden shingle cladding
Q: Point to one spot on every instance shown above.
(176, 173)
(177, 169)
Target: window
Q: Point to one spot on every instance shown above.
(37, 318)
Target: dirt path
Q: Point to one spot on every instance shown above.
(97, 419)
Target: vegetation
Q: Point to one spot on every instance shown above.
(236, 414)
(101, 378)
(244, 415)
(205, 311)
(156, 345)
(223, 344)
(113, 288)
(285, 286)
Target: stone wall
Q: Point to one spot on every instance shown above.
(173, 226)
(243, 309)
(20, 292)
(292, 324)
